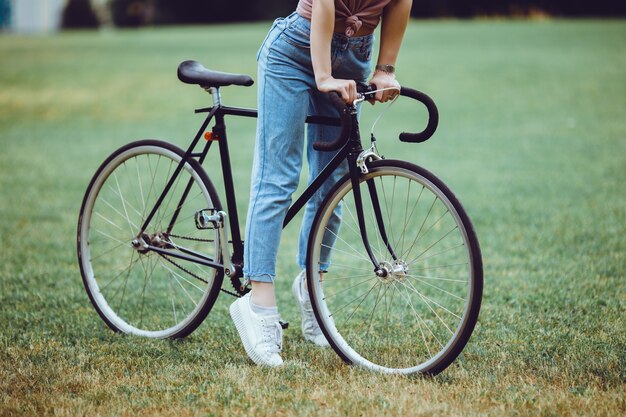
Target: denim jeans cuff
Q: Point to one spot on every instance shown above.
(261, 277)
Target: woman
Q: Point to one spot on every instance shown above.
(324, 46)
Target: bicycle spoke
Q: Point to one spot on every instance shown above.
(342, 266)
(421, 321)
(417, 236)
(334, 278)
(410, 217)
(142, 198)
(434, 312)
(169, 285)
(431, 246)
(425, 298)
(326, 297)
(348, 245)
(442, 266)
(184, 289)
(123, 201)
(117, 193)
(143, 290)
(120, 214)
(108, 221)
(438, 288)
(443, 251)
(126, 269)
(406, 210)
(161, 214)
(110, 237)
(151, 188)
(357, 233)
(378, 298)
(361, 302)
(438, 279)
(108, 251)
(183, 278)
(428, 230)
(379, 251)
(181, 220)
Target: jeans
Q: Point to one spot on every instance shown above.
(287, 93)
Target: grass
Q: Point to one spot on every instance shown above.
(532, 139)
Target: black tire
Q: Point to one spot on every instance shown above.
(147, 294)
(420, 315)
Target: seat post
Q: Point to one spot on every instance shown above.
(217, 97)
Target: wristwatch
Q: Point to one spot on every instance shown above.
(386, 68)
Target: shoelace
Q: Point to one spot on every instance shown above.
(273, 336)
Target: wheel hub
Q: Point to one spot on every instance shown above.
(159, 240)
(389, 272)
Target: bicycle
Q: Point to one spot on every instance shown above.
(396, 287)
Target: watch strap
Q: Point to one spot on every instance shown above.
(389, 69)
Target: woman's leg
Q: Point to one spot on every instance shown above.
(351, 60)
(284, 83)
(320, 105)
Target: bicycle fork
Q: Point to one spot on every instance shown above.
(358, 167)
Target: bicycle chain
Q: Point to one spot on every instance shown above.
(195, 239)
(235, 282)
(182, 268)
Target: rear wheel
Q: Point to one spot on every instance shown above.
(140, 291)
(417, 313)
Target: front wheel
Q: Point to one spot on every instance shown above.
(417, 310)
(139, 291)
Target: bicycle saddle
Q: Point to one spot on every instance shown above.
(192, 72)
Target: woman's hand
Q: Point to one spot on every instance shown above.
(345, 88)
(382, 80)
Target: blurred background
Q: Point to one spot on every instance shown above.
(532, 139)
(50, 15)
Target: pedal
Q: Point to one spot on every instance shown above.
(218, 220)
(207, 219)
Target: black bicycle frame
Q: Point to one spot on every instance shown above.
(350, 151)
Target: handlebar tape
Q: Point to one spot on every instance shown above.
(433, 116)
(346, 125)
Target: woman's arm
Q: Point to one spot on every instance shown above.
(394, 22)
(322, 27)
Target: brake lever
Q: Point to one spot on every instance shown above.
(360, 97)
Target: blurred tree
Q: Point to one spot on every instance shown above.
(464, 8)
(138, 12)
(78, 14)
(195, 11)
(131, 13)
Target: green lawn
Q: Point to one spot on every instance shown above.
(532, 139)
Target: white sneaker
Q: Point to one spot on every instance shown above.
(310, 329)
(262, 336)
